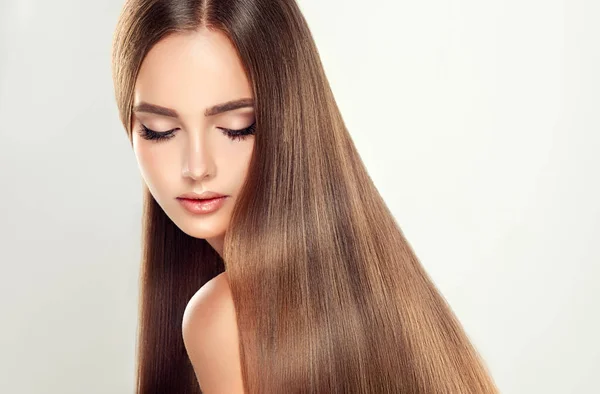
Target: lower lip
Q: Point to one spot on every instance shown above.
(202, 206)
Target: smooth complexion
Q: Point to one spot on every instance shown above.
(181, 80)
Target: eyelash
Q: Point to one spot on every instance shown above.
(234, 135)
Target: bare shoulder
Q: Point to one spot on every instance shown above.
(210, 336)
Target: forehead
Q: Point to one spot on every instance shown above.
(192, 71)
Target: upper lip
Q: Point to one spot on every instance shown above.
(202, 196)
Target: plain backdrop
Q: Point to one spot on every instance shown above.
(478, 122)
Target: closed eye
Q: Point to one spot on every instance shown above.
(240, 134)
(149, 134)
(233, 134)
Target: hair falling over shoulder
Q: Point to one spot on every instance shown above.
(329, 295)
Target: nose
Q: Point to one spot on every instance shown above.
(198, 163)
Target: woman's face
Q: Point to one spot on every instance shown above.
(180, 80)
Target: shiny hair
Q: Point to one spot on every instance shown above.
(329, 295)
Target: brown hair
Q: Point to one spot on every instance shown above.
(329, 295)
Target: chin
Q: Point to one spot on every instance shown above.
(201, 227)
(208, 226)
(204, 234)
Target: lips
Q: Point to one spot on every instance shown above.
(201, 199)
(207, 195)
(202, 206)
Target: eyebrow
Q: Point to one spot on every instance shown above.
(214, 110)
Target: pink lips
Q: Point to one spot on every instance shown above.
(202, 206)
(202, 196)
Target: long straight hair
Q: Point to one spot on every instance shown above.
(329, 295)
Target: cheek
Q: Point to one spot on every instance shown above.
(155, 164)
(243, 162)
(233, 158)
(144, 159)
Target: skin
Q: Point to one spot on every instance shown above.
(189, 73)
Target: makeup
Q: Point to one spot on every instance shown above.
(197, 206)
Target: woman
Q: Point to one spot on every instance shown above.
(230, 97)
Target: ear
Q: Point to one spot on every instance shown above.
(210, 336)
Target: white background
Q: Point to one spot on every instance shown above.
(478, 121)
